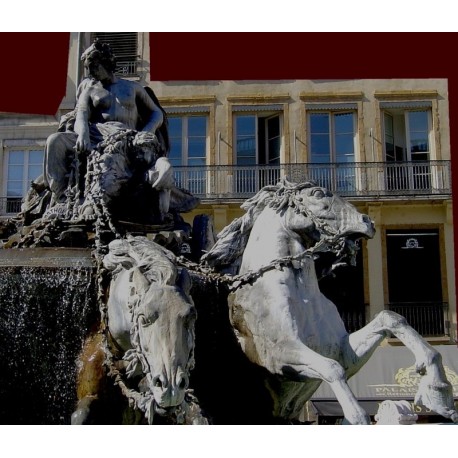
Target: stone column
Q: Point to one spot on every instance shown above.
(375, 264)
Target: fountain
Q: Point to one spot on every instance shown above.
(109, 313)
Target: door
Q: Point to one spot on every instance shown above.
(414, 278)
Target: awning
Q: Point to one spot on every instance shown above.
(389, 374)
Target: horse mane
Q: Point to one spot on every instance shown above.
(231, 241)
(156, 263)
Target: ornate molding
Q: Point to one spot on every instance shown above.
(193, 100)
(258, 98)
(331, 96)
(406, 95)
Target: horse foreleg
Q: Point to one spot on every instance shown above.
(309, 364)
(434, 391)
(91, 375)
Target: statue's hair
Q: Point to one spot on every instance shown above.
(107, 58)
(233, 238)
(156, 263)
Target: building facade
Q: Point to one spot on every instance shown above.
(384, 145)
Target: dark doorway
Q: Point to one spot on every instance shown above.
(345, 288)
(414, 278)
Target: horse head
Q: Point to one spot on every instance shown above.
(163, 333)
(152, 316)
(320, 216)
(321, 220)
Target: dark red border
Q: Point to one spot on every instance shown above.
(33, 71)
(34, 65)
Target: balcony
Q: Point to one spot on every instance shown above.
(358, 180)
(428, 318)
(10, 205)
(363, 180)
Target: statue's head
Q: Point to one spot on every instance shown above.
(102, 54)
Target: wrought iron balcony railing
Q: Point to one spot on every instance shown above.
(10, 205)
(363, 180)
(358, 179)
(127, 68)
(428, 318)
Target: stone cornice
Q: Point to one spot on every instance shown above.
(28, 130)
(258, 98)
(331, 96)
(406, 95)
(193, 100)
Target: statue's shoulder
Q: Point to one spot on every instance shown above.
(86, 84)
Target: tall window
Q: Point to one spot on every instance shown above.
(407, 148)
(125, 47)
(257, 142)
(22, 167)
(332, 141)
(257, 139)
(188, 139)
(407, 134)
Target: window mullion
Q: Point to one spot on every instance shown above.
(25, 173)
(332, 139)
(184, 152)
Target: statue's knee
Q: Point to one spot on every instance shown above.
(333, 371)
(54, 139)
(391, 319)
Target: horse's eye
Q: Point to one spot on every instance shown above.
(318, 193)
(143, 321)
(190, 318)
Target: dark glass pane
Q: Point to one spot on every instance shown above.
(196, 147)
(196, 161)
(16, 157)
(34, 172)
(14, 189)
(319, 123)
(273, 126)
(246, 146)
(197, 126)
(420, 157)
(246, 125)
(418, 121)
(175, 127)
(320, 158)
(418, 142)
(389, 148)
(246, 160)
(35, 157)
(274, 151)
(15, 172)
(175, 151)
(343, 123)
(320, 145)
(344, 144)
(345, 158)
(388, 125)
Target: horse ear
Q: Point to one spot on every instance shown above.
(184, 281)
(140, 281)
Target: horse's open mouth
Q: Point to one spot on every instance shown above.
(164, 411)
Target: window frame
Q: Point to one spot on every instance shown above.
(185, 137)
(26, 179)
(332, 133)
(265, 116)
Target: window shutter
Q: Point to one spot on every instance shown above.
(125, 47)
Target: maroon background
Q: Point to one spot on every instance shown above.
(33, 71)
(37, 84)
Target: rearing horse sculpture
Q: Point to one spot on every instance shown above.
(282, 320)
